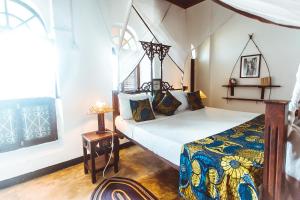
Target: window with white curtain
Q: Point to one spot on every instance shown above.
(127, 48)
(129, 41)
(27, 78)
(27, 57)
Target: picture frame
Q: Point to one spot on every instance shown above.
(250, 66)
(156, 84)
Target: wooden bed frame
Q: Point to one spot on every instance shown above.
(276, 120)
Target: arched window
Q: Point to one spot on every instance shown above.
(27, 64)
(16, 15)
(27, 78)
(129, 42)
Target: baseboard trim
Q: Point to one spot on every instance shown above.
(126, 145)
(38, 173)
(48, 170)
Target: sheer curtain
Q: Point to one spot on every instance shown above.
(27, 56)
(27, 66)
(285, 12)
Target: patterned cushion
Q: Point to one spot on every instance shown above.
(195, 100)
(141, 110)
(158, 96)
(168, 105)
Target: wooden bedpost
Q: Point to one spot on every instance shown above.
(115, 104)
(276, 120)
(192, 80)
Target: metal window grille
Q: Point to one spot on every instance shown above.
(27, 122)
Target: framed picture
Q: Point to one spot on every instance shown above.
(250, 66)
(156, 84)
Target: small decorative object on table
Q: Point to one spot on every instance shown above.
(100, 108)
(250, 66)
(266, 81)
(99, 146)
(232, 81)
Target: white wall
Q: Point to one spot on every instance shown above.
(85, 76)
(202, 69)
(224, 43)
(279, 45)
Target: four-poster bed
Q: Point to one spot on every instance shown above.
(275, 131)
(275, 135)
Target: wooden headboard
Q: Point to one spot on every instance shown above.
(145, 88)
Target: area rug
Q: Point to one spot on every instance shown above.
(118, 188)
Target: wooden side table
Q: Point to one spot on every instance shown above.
(99, 146)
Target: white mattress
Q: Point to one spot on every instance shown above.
(166, 135)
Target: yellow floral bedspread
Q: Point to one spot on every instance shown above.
(228, 165)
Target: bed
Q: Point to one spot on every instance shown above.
(166, 135)
(147, 135)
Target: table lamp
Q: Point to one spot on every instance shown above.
(100, 108)
(202, 95)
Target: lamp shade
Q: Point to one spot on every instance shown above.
(202, 95)
(100, 107)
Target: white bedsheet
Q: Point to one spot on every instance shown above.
(165, 136)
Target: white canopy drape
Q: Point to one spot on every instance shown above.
(281, 12)
(168, 23)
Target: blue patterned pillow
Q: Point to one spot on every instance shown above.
(168, 104)
(141, 110)
(157, 97)
(195, 100)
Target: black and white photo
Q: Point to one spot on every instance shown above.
(250, 66)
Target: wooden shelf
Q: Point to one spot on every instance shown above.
(262, 87)
(243, 99)
(258, 86)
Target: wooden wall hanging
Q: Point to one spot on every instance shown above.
(262, 87)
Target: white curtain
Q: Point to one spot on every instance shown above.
(130, 58)
(27, 65)
(168, 24)
(293, 106)
(293, 148)
(285, 12)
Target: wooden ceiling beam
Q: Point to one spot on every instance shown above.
(185, 3)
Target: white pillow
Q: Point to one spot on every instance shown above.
(124, 103)
(182, 97)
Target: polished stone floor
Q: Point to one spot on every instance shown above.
(71, 183)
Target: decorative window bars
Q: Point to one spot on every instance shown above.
(27, 122)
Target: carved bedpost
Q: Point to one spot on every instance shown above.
(276, 117)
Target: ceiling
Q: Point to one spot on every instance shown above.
(185, 3)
